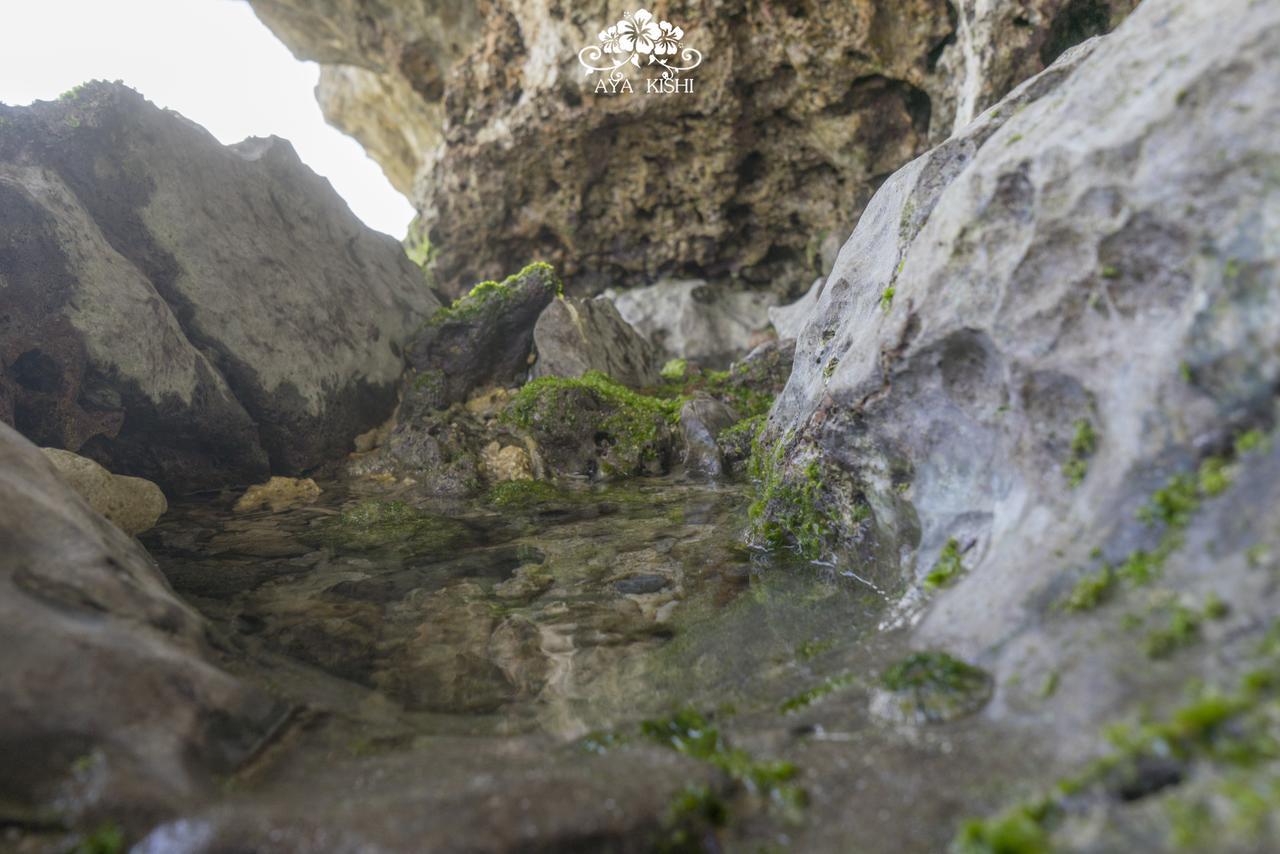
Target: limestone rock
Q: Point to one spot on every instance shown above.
(574, 336)
(702, 420)
(112, 702)
(798, 112)
(789, 320)
(1037, 325)
(483, 338)
(184, 311)
(131, 503)
(277, 494)
(696, 321)
(506, 463)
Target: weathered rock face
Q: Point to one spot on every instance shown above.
(111, 704)
(694, 320)
(1039, 323)
(799, 112)
(184, 311)
(131, 503)
(574, 336)
(484, 338)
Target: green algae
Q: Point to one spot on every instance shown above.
(1084, 443)
(1091, 590)
(106, 839)
(812, 695)
(787, 509)
(695, 812)
(886, 298)
(948, 568)
(675, 370)
(374, 524)
(934, 687)
(523, 493)
(480, 296)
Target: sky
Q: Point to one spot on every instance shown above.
(211, 60)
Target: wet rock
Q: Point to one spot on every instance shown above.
(438, 451)
(641, 584)
(93, 644)
(594, 427)
(696, 321)
(825, 103)
(702, 420)
(388, 524)
(931, 688)
(789, 320)
(484, 338)
(131, 503)
(277, 494)
(958, 375)
(506, 463)
(195, 314)
(574, 336)
(764, 371)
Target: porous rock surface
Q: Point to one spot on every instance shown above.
(1084, 303)
(112, 704)
(799, 111)
(188, 312)
(131, 503)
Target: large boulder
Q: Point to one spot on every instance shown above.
(695, 320)
(112, 703)
(1045, 356)
(798, 111)
(184, 311)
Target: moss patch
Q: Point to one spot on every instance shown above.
(812, 695)
(933, 687)
(788, 509)
(948, 568)
(1084, 443)
(483, 294)
(523, 493)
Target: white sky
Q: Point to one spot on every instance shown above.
(211, 60)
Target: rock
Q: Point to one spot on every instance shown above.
(483, 338)
(764, 371)
(574, 336)
(506, 463)
(594, 427)
(489, 116)
(277, 494)
(93, 647)
(184, 311)
(693, 320)
(931, 688)
(130, 503)
(789, 320)
(1053, 337)
(702, 420)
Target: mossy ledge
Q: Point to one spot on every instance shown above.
(481, 295)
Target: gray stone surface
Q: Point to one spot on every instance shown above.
(1098, 248)
(184, 311)
(112, 704)
(701, 421)
(697, 321)
(131, 503)
(574, 336)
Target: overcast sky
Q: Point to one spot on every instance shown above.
(211, 60)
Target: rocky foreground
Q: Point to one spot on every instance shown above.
(974, 547)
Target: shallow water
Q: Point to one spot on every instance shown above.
(463, 643)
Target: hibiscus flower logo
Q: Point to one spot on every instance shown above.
(639, 38)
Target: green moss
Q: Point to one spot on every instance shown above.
(1174, 504)
(522, 493)
(830, 367)
(1084, 443)
(483, 294)
(948, 567)
(374, 524)
(691, 733)
(107, 839)
(812, 695)
(1018, 831)
(1182, 630)
(1110, 271)
(933, 686)
(1250, 441)
(886, 298)
(634, 424)
(694, 813)
(814, 647)
(787, 510)
(1091, 590)
(675, 370)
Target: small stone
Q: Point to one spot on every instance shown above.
(132, 504)
(277, 494)
(574, 336)
(701, 421)
(503, 464)
(641, 584)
